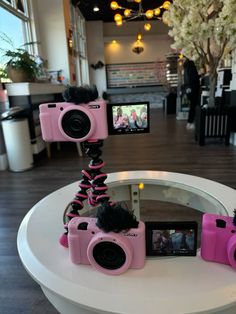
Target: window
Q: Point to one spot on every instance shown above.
(80, 46)
(15, 29)
(19, 6)
(14, 13)
(15, 32)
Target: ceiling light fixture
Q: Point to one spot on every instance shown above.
(96, 8)
(138, 46)
(131, 14)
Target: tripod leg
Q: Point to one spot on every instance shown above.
(78, 145)
(93, 180)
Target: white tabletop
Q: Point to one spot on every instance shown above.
(167, 285)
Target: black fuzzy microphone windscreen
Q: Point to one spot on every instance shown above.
(81, 94)
(113, 217)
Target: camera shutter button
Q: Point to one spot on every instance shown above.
(83, 226)
(220, 223)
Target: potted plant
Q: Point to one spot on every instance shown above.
(18, 63)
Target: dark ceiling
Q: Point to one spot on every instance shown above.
(106, 14)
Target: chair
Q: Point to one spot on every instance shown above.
(48, 149)
(212, 122)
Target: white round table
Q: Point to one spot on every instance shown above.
(167, 285)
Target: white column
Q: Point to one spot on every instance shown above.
(95, 46)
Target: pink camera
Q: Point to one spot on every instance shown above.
(111, 253)
(76, 123)
(218, 243)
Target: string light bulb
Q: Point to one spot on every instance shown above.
(141, 186)
(157, 11)
(149, 14)
(147, 26)
(127, 12)
(119, 23)
(114, 5)
(139, 37)
(166, 5)
(118, 17)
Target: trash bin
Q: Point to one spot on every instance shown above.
(3, 107)
(17, 139)
(3, 153)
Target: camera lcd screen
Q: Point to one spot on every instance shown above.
(171, 238)
(128, 118)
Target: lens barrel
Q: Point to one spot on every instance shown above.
(109, 255)
(76, 124)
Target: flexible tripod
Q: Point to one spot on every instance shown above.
(93, 180)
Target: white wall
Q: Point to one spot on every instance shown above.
(52, 34)
(155, 48)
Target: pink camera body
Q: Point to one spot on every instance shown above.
(218, 241)
(76, 123)
(111, 253)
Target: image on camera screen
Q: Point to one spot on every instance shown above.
(129, 118)
(172, 240)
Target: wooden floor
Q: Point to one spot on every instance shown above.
(169, 147)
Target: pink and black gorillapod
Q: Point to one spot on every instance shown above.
(93, 180)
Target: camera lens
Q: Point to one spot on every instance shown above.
(109, 255)
(76, 124)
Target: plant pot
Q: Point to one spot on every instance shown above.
(18, 75)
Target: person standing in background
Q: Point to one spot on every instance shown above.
(192, 87)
